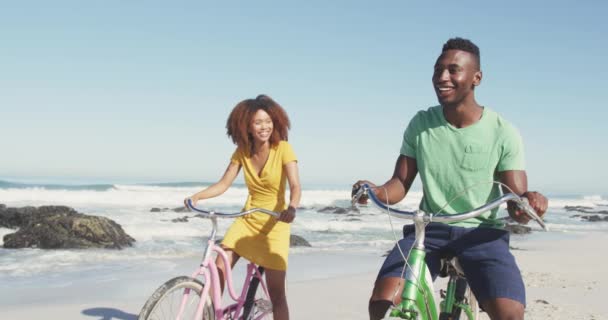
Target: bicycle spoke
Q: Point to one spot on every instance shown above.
(167, 301)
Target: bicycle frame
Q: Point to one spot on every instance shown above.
(448, 304)
(417, 298)
(418, 294)
(209, 272)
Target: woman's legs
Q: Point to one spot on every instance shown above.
(275, 279)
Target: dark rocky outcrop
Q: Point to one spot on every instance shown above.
(592, 217)
(518, 229)
(180, 219)
(577, 208)
(60, 227)
(178, 209)
(337, 210)
(585, 210)
(297, 241)
(590, 214)
(595, 218)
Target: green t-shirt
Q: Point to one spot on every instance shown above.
(462, 162)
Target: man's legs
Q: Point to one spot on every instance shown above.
(491, 271)
(504, 309)
(389, 284)
(387, 291)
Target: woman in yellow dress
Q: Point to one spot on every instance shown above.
(259, 128)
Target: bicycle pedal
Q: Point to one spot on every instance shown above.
(264, 305)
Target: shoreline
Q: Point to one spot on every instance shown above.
(332, 285)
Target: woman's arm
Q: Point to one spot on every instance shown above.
(295, 192)
(219, 187)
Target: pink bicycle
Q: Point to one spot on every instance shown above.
(199, 296)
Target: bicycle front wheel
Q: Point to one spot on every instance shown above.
(181, 293)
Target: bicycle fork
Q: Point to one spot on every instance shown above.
(417, 297)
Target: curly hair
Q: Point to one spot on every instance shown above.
(239, 121)
(463, 45)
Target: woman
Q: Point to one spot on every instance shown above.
(259, 129)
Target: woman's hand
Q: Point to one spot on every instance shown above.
(288, 215)
(192, 199)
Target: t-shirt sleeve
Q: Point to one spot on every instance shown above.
(236, 157)
(512, 157)
(287, 153)
(409, 145)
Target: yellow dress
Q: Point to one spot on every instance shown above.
(259, 237)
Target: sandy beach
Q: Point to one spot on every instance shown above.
(564, 276)
(565, 279)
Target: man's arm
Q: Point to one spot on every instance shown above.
(517, 181)
(395, 189)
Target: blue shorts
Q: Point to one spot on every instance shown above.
(483, 253)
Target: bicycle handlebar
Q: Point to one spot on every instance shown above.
(428, 217)
(210, 214)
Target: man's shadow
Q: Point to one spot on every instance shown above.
(109, 314)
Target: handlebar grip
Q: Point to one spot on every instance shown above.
(189, 204)
(358, 192)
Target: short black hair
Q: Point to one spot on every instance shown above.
(464, 45)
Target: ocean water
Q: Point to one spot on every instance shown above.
(162, 243)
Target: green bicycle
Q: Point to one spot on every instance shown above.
(417, 299)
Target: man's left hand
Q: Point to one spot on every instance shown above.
(537, 201)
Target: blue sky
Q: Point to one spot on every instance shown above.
(139, 91)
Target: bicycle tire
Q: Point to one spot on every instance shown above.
(473, 304)
(464, 295)
(165, 301)
(256, 302)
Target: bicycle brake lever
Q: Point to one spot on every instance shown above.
(357, 192)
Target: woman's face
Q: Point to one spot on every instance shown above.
(261, 127)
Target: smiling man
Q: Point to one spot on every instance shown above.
(463, 152)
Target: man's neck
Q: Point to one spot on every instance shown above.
(463, 115)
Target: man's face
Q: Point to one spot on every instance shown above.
(455, 76)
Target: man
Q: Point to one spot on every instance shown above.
(460, 148)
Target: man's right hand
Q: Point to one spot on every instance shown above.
(359, 184)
